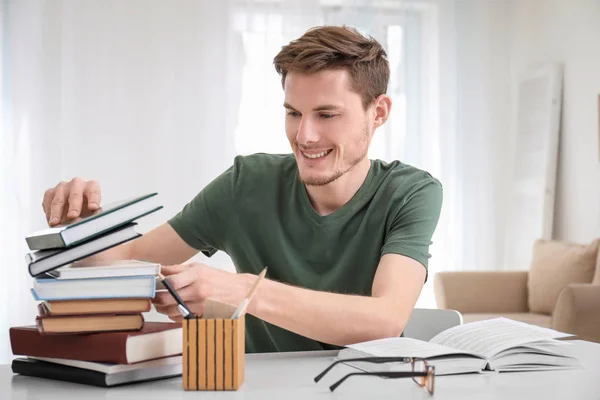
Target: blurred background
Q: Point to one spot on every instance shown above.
(160, 96)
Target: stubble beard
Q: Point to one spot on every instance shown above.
(326, 180)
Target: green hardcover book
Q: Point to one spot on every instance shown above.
(42, 261)
(107, 218)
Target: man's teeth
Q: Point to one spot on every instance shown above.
(318, 155)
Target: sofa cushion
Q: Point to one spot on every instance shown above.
(542, 320)
(554, 265)
(596, 280)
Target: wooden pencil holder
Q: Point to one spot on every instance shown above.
(213, 352)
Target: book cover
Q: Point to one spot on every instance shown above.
(99, 269)
(42, 261)
(100, 221)
(94, 288)
(95, 306)
(50, 370)
(88, 323)
(155, 340)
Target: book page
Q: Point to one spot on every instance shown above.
(489, 337)
(403, 347)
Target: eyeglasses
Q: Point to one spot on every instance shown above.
(421, 372)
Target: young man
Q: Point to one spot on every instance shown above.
(345, 238)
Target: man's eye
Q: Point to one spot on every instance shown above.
(326, 116)
(293, 113)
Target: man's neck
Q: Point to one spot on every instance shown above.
(328, 198)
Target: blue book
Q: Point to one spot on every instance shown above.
(94, 288)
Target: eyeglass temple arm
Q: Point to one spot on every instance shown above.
(378, 360)
(392, 374)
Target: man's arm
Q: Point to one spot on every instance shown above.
(161, 245)
(79, 198)
(326, 317)
(345, 319)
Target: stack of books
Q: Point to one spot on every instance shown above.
(90, 325)
(103, 359)
(86, 298)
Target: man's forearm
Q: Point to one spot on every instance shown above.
(121, 252)
(327, 317)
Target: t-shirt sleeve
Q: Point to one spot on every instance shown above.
(411, 230)
(203, 222)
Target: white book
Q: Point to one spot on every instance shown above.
(134, 287)
(111, 368)
(104, 269)
(498, 344)
(100, 374)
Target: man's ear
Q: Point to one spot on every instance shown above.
(382, 106)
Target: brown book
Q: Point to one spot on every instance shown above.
(154, 340)
(100, 306)
(89, 323)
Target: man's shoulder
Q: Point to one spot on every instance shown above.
(406, 178)
(399, 184)
(261, 160)
(263, 167)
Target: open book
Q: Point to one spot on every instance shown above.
(498, 344)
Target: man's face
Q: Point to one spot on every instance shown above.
(326, 124)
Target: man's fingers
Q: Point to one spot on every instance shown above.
(170, 311)
(93, 195)
(164, 298)
(197, 307)
(76, 187)
(190, 293)
(168, 270)
(57, 203)
(162, 309)
(184, 278)
(66, 200)
(46, 203)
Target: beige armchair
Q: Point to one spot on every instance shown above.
(561, 290)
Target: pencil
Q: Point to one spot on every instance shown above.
(244, 304)
(183, 309)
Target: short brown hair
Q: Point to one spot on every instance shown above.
(338, 47)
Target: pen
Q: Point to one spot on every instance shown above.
(183, 309)
(244, 304)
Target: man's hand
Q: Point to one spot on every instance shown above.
(350, 318)
(196, 282)
(70, 200)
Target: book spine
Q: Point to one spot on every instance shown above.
(45, 242)
(94, 347)
(40, 267)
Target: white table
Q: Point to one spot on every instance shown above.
(290, 376)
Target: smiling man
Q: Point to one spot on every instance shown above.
(346, 239)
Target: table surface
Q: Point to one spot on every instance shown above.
(290, 376)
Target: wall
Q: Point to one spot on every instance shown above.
(121, 89)
(567, 32)
(115, 91)
(483, 115)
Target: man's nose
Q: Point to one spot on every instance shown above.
(307, 132)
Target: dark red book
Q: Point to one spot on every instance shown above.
(154, 340)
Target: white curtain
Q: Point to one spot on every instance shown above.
(149, 95)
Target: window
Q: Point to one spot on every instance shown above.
(265, 28)
(261, 116)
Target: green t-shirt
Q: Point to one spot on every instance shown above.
(259, 213)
